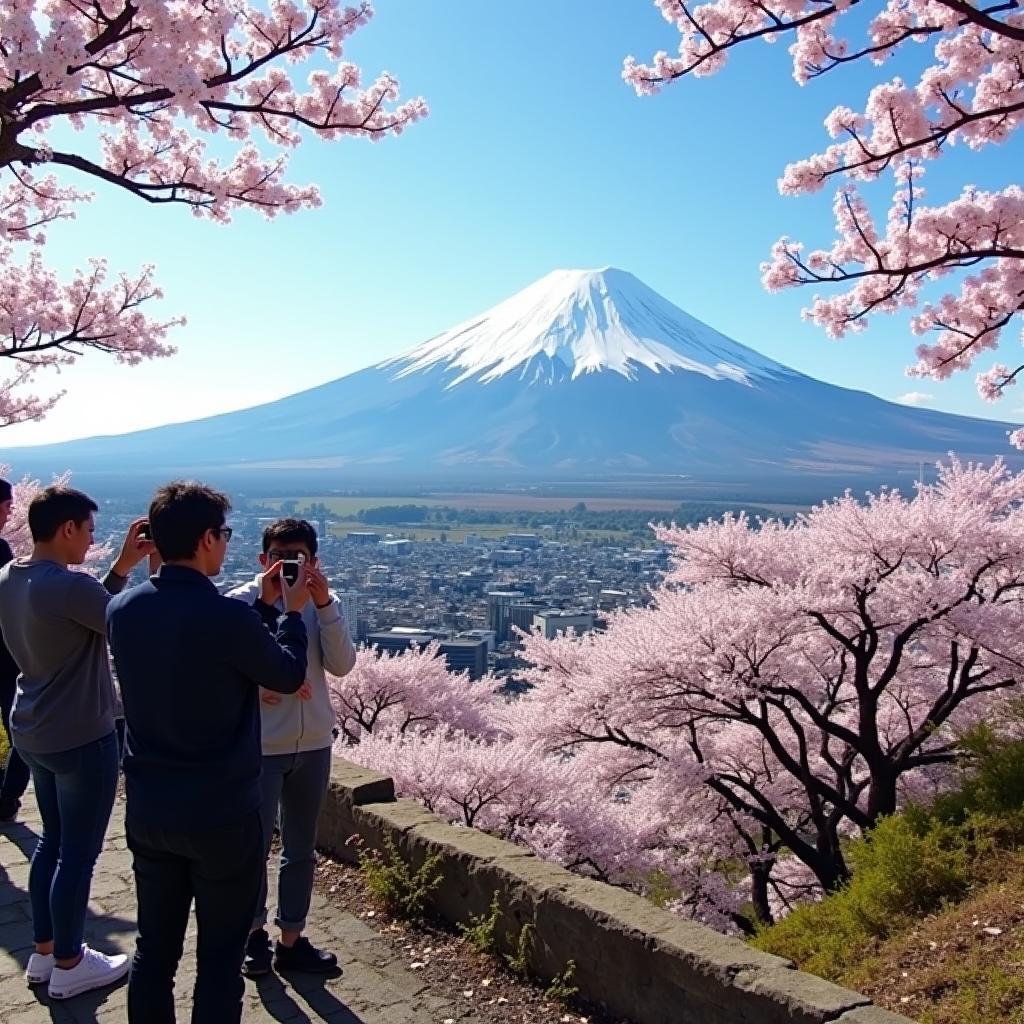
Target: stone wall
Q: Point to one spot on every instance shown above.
(639, 961)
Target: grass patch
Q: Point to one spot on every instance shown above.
(932, 922)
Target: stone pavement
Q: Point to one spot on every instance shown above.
(373, 988)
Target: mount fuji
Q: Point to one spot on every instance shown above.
(585, 377)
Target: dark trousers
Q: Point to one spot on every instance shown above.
(220, 870)
(15, 773)
(75, 793)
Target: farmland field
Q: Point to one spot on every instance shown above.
(349, 506)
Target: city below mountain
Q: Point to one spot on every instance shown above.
(583, 380)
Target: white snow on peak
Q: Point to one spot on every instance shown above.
(573, 322)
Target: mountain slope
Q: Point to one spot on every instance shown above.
(583, 376)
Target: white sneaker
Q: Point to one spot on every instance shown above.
(94, 970)
(40, 967)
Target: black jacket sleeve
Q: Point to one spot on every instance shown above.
(273, 662)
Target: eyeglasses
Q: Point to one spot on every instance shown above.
(223, 531)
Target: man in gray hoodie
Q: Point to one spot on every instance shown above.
(298, 732)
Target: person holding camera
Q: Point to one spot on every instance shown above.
(191, 664)
(298, 732)
(62, 724)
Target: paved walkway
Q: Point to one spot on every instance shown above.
(373, 988)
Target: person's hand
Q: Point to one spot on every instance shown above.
(270, 584)
(305, 691)
(133, 550)
(319, 589)
(296, 595)
(270, 698)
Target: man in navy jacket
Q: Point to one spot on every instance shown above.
(190, 663)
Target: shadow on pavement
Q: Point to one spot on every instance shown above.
(321, 1004)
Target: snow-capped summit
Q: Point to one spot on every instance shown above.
(586, 376)
(575, 322)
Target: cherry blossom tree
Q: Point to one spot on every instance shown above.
(413, 691)
(155, 82)
(17, 532)
(814, 674)
(972, 93)
(791, 684)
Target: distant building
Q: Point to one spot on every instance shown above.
(507, 556)
(362, 537)
(395, 548)
(394, 641)
(522, 540)
(556, 620)
(522, 614)
(608, 599)
(377, 575)
(348, 601)
(499, 611)
(487, 635)
(466, 655)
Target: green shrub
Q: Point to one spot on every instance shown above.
(903, 868)
(480, 932)
(402, 891)
(992, 783)
(519, 961)
(561, 987)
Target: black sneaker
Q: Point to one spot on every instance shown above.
(304, 956)
(257, 954)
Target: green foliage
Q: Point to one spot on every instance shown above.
(660, 889)
(519, 961)
(562, 987)
(914, 863)
(993, 784)
(480, 932)
(400, 890)
(900, 871)
(623, 520)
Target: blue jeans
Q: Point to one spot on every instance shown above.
(75, 793)
(15, 773)
(295, 783)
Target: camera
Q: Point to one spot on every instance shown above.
(290, 568)
(145, 533)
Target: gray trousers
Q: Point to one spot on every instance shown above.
(293, 785)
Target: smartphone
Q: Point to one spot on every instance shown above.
(290, 569)
(145, 533)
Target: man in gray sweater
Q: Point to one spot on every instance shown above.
(62, 725)
(298, 731)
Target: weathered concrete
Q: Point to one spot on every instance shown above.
(638, 960)
(374, 987)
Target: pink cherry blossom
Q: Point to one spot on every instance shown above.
(972, 94)
(790, 684)
(156, 80)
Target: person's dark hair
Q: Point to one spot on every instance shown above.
(6, 490)
(54, 506)
(290, 531)
(180, 513)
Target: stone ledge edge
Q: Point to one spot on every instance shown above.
(701, 976)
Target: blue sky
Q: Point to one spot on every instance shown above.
(536, 156)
